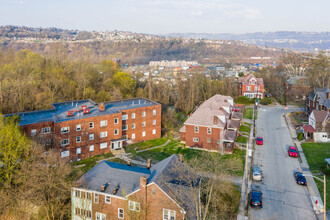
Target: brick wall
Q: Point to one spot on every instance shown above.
(203, 137)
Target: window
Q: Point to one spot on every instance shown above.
(91, 124)
(153, 122)
(77, 193)
(248, 88)
(33, 132)
(78, 127)
(218, 141)
(124, 127)
(77, 211)
(108, 199)
(78, 150)
(125, 137)
(143, 114)
(209, 140)
(153, 112)
(103, 145)
(116, 132)
(46, 130)
(103, 123)
(133, 115)
(134, 206)
(65, 130)
(256, 88)
(100, 216)
(196, 129)
(65, 153)
(195, 139)
(78, 139)
(91, 148)
(103, 134)
(143, 133)
(89, 195)
(133, 136)
(209, 130)
(153, 131)
(65, 142)
(96, 198)
(124, 117)
(143, 124)
(168, 214)
(133, 126)
(116, 120)
(48, 142)
(91, 137)
(120, 213)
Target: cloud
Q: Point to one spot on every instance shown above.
(196, 13)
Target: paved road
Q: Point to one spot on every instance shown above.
(282, 197)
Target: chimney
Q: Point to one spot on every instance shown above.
(101, 107)
(149, 163)
(115, 190)
(143, 182)
(181, 158)
(328, 95)
(129, 162)
(103, 187)
(215, 120)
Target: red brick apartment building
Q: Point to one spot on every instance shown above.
(251, 87)
(213, 126)
(122, 191)
(84, 128)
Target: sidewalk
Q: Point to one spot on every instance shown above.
(311, 186)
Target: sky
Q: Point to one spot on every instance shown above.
(170, 16)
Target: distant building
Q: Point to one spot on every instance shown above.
(81, 129)
(213, 126)
(319, 99)
(173, 63)
(122, 191)
(251, 87)
(298, 87)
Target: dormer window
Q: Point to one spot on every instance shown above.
(252, 82)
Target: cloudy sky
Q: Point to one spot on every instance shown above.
(169, 16)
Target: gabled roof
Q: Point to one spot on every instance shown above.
(320, 95)
(320, 116)
(245, 80)
(229, 136)
(308, 128)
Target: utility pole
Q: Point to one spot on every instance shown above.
(325, 200)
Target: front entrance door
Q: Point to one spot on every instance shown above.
(115, 145)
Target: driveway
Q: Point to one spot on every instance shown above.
(282, 197)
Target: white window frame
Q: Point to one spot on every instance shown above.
(143, 124)
(119, 213)
(256, 88)
(133, 136)
(133, 115)
(209, 130)
(78, 127)
(96, 198)
(103, 134)
(153, 131)
(68, 142)
(103, 145)
(134, 206)
(116, 132)
(78, 137)
(143, 133)
(195, 139)
(209, 140)
(91, 124)
(133, 126)
(154, 112)
(65, 154)
(103, 123)
(46, 130)
(124, 128)
(65, 130)
(154, 122)
(78, 150)
(248, 88)
(124, 117)
(196, 129)
(33, 132)
(105, 199)
(144, 114)
(116, 121)
(100, 216)
(91, 137)
(168, 214)
(91, 148)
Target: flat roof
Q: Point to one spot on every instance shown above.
(58, 112)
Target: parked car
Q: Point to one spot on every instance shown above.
(255, 198)
(236, 109)
(256, 173)
(300, 178)
(259, 141)
(264, 103)
(292, 151)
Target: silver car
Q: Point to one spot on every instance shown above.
(256, 173)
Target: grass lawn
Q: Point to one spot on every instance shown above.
(145, 145)
(315, 154)
(175, 147)
(241, 139)
(248, 113)
(245, 128)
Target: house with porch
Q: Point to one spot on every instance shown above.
(213, 126)
(251, 86)
(318, 128)
(319, 99)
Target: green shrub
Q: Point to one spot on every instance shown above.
(244, 100)
(300, 136)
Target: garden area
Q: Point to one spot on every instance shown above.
(248, 113)
(316, 153)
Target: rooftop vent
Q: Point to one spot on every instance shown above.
(87, 111)
(83, 107)
(101, 107)
(70, 113)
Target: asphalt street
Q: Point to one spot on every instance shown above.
(282, 197)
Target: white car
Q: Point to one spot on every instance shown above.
(256, 173)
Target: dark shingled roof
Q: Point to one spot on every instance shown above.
(320, 116)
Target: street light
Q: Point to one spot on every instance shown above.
(324, 194)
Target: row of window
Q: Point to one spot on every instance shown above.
(209, 130)
(195, 139)
(83, 212)
(256, 88)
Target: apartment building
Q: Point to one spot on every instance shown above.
(84, 128)
(123, 191)
(251, 87)
(213, 126)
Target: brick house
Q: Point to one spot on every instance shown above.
(84, 128)
(251, 87)
(122, 191)
(319, 99)
(319, 121)
(213, 126)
